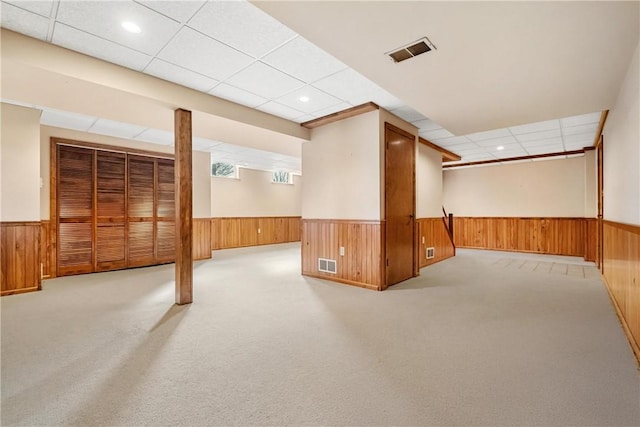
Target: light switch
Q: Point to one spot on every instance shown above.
(341, 250)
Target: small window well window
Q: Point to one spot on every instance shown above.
(281, 177)
(226, 170)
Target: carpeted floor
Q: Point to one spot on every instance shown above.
(484, 338)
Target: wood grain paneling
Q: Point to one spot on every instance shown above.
(253, 231)
(363, 261)
(47, 254)
(591, 239)
(432, 233)
(201, 238)
(621, 271)
(557, 236)
(19, 257)
(165, 241)
(140, 244)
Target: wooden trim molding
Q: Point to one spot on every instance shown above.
(110, 148)
(447, 156)
(512, 159)
(603, 119)
(363, 242)
(621, 273)
(20, 269)
(341, 115)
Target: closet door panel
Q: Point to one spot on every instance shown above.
(140, 244)
(111, 211)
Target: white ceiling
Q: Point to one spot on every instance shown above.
(236, 51)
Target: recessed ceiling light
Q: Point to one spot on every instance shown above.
(304, 99)
(500, 147)
(131, 27)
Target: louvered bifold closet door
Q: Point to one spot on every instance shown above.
(110, 211)
(75, 199)
(165, 212)
(141, 207)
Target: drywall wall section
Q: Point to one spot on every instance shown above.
(20, 164)
(428, 182)
(548, 188)
(201, 165)
(590, 184)
(341, 167)
(254, 194)
(622, 151)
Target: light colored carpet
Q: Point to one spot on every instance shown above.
(469, 342)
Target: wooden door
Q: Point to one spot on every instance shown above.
(110, 211)
(399, 204)
(141, 208)
(75, 199)
(599, 237)
(165, 212)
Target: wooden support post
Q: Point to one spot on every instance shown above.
(184, 214)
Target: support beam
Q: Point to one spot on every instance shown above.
(184, 214)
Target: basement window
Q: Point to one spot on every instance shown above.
(281, 177)
(224, 170)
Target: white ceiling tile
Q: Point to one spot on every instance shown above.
(104, 19)
(477, 150)
(504, 154)
(434, 135)
(490, 134)
(229, 148)
(541, 142)
(581, 120)
(157, 136)
(426, 125)
(545, 149)
(265, 81)
(315, 65)
(40, 7)
(239, 96)
(306, 118)
(66, 120)
(407, 113)
(384, 99)
(583, 138)
(333, 109)
(537, 136)
(280, 110)
(535, 127)
(465, 147)
(260, 33)
(477, 157)
(179, 75)
(117, 129)
(450, 141)
(215, 59)
(317, 100)
(88, 44)
(21, 21)
(210, 143)
(349, 86)
(181, 11)
(505, 140)
(588, 128)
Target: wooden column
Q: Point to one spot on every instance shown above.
(184, 214)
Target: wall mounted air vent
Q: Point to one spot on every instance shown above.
(327, 265)
(431, 252)
(414, 49)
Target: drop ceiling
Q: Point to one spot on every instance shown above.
(236, 51)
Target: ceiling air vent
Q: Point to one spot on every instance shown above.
(414, 49)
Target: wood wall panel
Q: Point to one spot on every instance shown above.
(621, 271)
(363, 260)
(201, 238)
(253, 231)
(47, 254)
(591, 239)
(557, 236)
(20, 269)
(432, 233)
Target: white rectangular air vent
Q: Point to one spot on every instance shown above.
(327, 265)
(416, 48)
(431, 252)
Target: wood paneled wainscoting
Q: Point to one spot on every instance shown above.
(555, 236)
(363, 242)
(621, 272)
(19, 257)
(432, 233)
(236, 232)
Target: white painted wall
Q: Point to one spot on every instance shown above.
(549, 188)
(590, 184)
(200, 161)
(253, 194)
(20, 164)
(341, 167)
(428, 183)
(622, 151)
